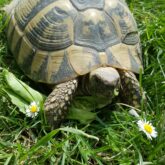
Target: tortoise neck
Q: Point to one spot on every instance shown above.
(84, 88)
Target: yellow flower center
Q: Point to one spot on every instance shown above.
(148, 128)
(33, 108)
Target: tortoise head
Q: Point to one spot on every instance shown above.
(104, 82)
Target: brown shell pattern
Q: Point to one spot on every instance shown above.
(54, 41)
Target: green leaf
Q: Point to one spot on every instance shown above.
(83, 107)
(22, 89)
(83, 116)
(20, 93)
(17, 100)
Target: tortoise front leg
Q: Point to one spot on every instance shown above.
(130, 89)
(56, 104)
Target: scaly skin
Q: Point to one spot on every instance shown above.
(130, 89)
(56, 104)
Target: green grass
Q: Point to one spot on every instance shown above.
(26, 141)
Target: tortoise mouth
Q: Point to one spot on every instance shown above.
(104, 90)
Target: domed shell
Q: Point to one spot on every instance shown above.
(56, 40)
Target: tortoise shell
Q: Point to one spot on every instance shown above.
(57, 40)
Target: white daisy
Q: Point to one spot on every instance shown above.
(147, 128)
(32, 110)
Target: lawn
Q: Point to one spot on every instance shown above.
(113, 137)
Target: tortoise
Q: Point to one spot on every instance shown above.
(76, 45)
